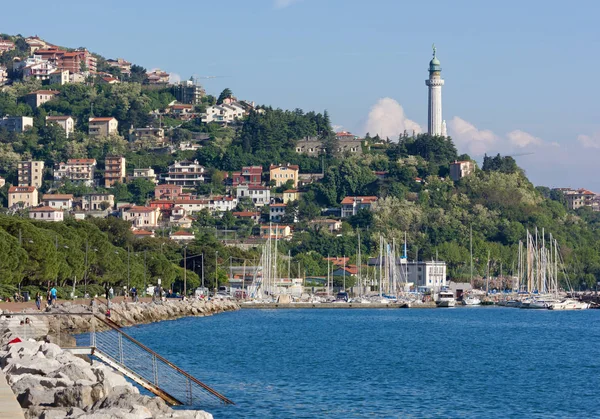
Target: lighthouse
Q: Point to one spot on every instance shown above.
(435, 124)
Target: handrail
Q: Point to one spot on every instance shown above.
(176, 368)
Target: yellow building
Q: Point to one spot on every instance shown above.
(26, 196)
(281, 174)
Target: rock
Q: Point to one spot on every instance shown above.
(141, 412)
(75, 412)
(50, 350)
(76, 372)
(32, 366)
(20, 383)
(36, 397)
(188, 414)
(53, 414)
(78, 396)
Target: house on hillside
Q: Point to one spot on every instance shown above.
(23, 196)
(104, 126)
(352, 204)
(259, 195)
(63, 202)
(39, 97)
(46, 214)
(66, 122)
(182, 236)
(141, 217)
(280, 174)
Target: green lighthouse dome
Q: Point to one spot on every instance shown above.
(434, 64)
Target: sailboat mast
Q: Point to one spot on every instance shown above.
(471, 250)
(359, 262)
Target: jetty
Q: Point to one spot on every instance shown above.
(291, 306)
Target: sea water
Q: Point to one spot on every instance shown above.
(471, 362)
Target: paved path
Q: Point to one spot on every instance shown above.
(9, 407)
(17, 307)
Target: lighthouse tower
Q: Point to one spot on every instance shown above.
(435, 124)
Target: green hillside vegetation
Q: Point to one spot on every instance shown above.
(416, 194)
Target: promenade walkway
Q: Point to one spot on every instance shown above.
(9, 406)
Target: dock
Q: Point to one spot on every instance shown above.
(288, 306)
(9, 406)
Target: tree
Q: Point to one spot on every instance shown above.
(225, 94)
(140, 189)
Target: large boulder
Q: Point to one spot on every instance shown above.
(75, 372)
(36, 397)
(34, 366)
(78, 396)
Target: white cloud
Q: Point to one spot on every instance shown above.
(387, 119)
(337, 128)
(523, 139)
(468, 138)
(282, 4)
(174, 78)
(589, 141)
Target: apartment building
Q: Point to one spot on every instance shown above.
(114, 170)
(249, 175)
(16, 123)
(63, 202)
(76, 170)
(30, 173)
(460, 169)
(104, 126)
(46, 214)
(352, 204)
(97, 201)
(39, 97)
(187, 174)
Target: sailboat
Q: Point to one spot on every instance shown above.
(471, 300)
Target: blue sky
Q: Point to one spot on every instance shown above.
(520, 76)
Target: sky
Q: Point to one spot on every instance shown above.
(519, 75)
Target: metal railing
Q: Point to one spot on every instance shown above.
(153, 368)
(111, 345)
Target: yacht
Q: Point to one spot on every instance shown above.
(471, 300)
(569, 304)
(445, 299)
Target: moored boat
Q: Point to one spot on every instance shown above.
(445, 299)
(569, 304)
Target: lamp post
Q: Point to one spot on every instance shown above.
(216, 272)
(184, 270)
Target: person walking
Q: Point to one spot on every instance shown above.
(38, 300)
(53, 295)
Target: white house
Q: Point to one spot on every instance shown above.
(223, 203)
(182, 236)
(67, 123)
(260, 195)
(46, 214)
(58, 201)
(76, 170)
(142, 217)
(276, 212)
(225, 113)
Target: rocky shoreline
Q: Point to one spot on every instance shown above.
(52, 383)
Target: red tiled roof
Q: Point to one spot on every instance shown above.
(291, 191)
(360, 199)
(140, 209)
(289, 166)
(101, 119)
(246, 214)
(57, 196)
(278, 205)
(81, 161)
(182, 233)
(58, 118)
(21, 189)
(44, 209)
(142, 233)
(338, 260)
(44, 92)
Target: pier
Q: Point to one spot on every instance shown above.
(289, 306)
(9, 406)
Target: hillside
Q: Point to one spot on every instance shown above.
(409, 175)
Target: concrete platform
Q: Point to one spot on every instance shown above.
(272, 306)
(9, 406)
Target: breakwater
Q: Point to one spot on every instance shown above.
(51, 382)
(291, 306)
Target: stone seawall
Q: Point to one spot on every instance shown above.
(53, 383)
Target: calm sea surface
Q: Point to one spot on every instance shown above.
(465, 362)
